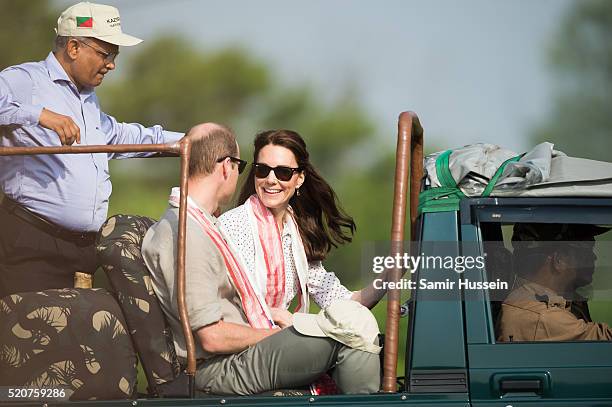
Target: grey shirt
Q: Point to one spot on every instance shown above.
(209, 293)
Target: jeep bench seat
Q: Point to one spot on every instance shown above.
(71, 339)
(118, 246)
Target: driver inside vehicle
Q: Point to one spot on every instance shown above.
(551, 261)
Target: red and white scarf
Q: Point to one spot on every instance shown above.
(256, 310)
(269, 258)
(270, 268)
(254, 307)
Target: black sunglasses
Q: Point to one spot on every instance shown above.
(281, 172)
(241, 163)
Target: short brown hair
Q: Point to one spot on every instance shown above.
(208, 145)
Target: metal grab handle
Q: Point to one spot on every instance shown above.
(409, 153)
(524, 384)
(521, 386)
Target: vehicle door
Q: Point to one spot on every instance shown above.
(576, 373)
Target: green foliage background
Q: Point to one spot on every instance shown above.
(580, 122)
(580, 59)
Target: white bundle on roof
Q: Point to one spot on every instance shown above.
(542, 171)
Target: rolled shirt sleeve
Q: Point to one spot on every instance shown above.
(16, 97)
(204, 274)
(134, 133)
(324, 287)
(202, 281)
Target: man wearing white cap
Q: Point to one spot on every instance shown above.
(53, 205)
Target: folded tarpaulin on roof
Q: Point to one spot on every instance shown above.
(569, 176)
(489, 170)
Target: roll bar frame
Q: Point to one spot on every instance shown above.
(409, 153)
(182, 149)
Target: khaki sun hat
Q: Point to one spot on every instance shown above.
(94, 20)
(346, 321)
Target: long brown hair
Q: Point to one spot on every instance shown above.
(320, 219)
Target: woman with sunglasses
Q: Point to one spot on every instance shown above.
(288, 220)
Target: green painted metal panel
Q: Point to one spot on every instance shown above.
(541, 354)
(438, 320)
(577, 371)
(475, 301)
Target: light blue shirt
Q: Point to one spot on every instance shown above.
(71, 190)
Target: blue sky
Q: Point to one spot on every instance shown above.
(473, 70)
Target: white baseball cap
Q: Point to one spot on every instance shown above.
(346, 321)
(94, 20)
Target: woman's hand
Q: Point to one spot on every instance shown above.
(282, 317)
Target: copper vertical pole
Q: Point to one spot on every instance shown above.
(182, 228)
(408, 122)
(416, 170)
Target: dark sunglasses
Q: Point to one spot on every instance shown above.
(281, 172)
(241, 163)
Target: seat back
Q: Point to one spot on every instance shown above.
(73, 340)
(498, 264)
(119, 254)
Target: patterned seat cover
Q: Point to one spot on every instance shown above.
(119, 254)
(72, 339)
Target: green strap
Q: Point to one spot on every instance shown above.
(489, 188)
(441, 199)
(446, 198)
(444, 175)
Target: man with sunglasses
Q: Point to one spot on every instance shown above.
(551, 262)
(53, 205)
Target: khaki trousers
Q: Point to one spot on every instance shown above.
(287, 360)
